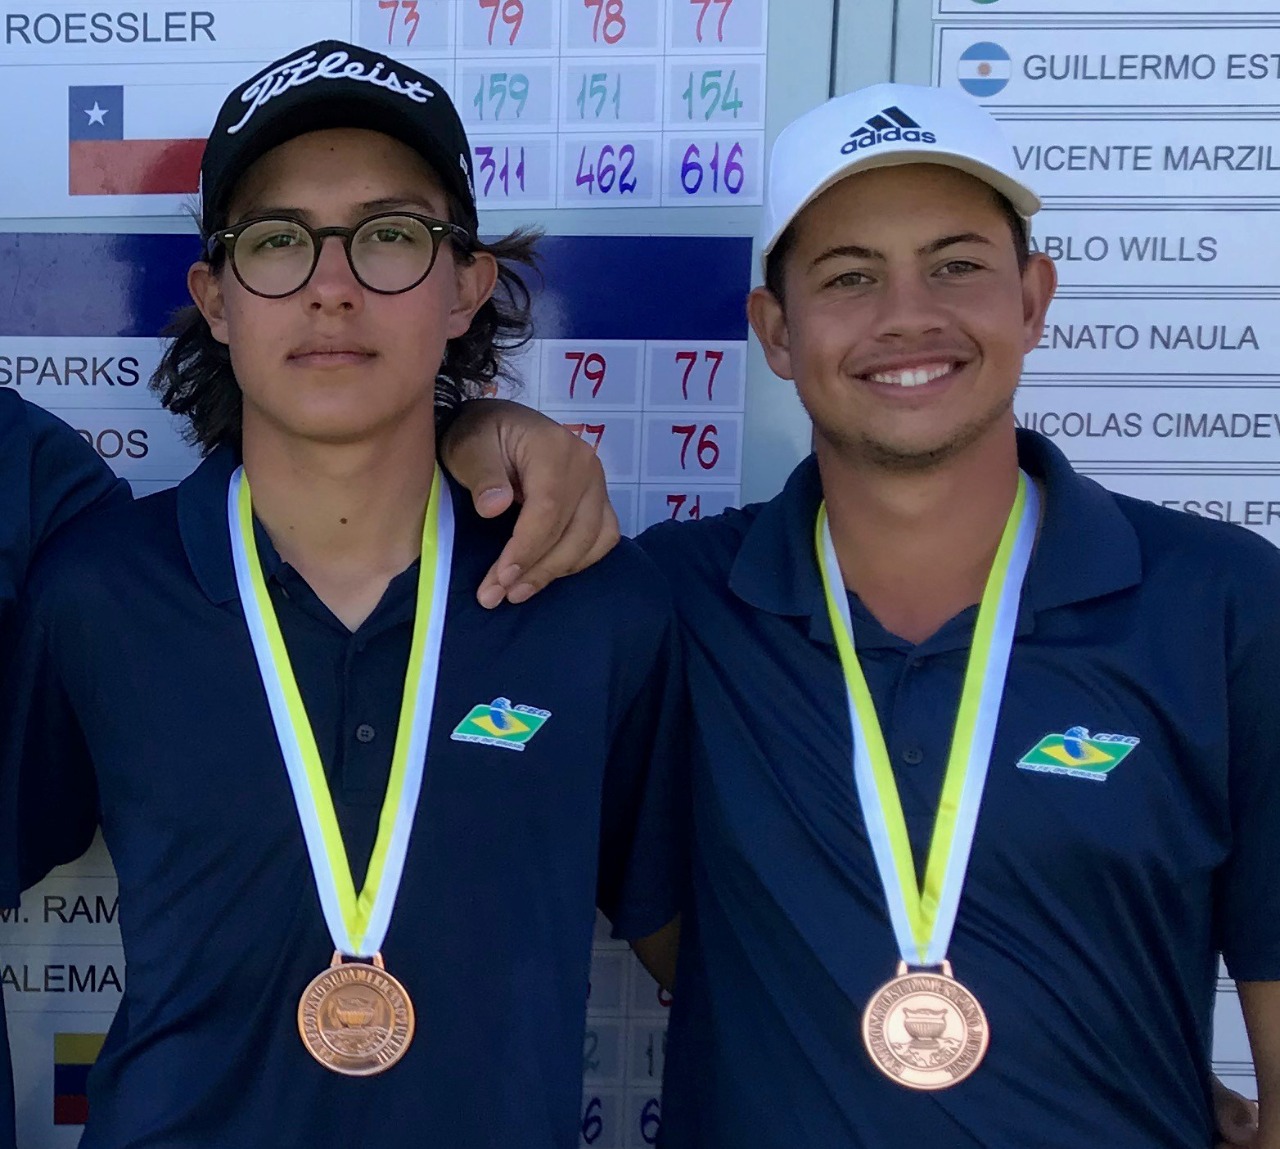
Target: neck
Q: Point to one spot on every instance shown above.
(917, 546)
(348, 517)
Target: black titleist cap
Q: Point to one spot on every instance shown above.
(333, 84)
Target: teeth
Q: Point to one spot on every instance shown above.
(912, 377)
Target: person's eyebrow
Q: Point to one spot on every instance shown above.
(272, 211)
(848, 251)
(419, 204)
(856, 251)
(949, 240)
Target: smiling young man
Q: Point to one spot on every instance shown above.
(361, 825)
(977, 803)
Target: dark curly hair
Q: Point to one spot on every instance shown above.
(195, 379)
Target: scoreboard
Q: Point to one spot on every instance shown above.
(568, 103)
(633, 131)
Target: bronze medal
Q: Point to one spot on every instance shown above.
(355, 1018)
(925, 1030)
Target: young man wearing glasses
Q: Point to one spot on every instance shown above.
(361, 825)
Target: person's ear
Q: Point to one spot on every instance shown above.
(205, 286)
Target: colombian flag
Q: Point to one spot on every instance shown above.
(121, 143)
(73, 1056)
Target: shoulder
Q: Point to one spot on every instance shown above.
(625, 590)
(1210, 563)
(51, 467)
(36, 431)
(91, 564)
(1196, 543)
(703, 549)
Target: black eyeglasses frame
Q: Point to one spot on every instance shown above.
(439, 229)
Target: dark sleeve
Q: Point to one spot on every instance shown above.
(67, 476)
(644, 813)
(48, 792)
(1249, 892)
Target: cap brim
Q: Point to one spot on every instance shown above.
(1025, 202)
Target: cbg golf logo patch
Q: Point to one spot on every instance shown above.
(1079, 753)
(498, 723)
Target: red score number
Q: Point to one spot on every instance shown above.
(690, 361)
(614, 22)
(512, 13)
(591, 366)
(677, 502)
(707, 451)
(585, 430)
(706, 6)
(411, 18)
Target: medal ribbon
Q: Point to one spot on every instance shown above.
(923, 918)
(357, 922)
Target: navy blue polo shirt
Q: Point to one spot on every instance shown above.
(1096, 902)
(136, 700)
(48, 474)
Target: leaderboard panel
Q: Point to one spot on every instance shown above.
(568, 103)
(1150, 129)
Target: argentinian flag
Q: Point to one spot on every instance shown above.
(984, 69)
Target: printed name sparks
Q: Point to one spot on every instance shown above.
(1147, 158)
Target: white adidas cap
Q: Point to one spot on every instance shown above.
(884, 126)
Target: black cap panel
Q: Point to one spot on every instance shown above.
(333, 84)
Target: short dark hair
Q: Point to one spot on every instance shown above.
(195, 378)
(774, 277)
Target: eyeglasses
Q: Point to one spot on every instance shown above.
(388, 253)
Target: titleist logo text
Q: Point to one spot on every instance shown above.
(335, 66)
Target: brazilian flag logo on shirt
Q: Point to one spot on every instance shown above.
(498, 723)
(1079, 753)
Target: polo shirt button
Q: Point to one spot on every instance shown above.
(913, 755)
(365, 732)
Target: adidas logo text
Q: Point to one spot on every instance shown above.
(892, 125)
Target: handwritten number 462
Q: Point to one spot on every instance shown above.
(411, 18)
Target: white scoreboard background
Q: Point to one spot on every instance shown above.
(1149, 125)
(1151, 128)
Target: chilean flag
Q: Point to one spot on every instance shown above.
(114, 152)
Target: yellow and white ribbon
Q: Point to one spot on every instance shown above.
(358, 923)
(924, 917)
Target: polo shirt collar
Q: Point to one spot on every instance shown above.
(1086, 548)
(202, 524)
